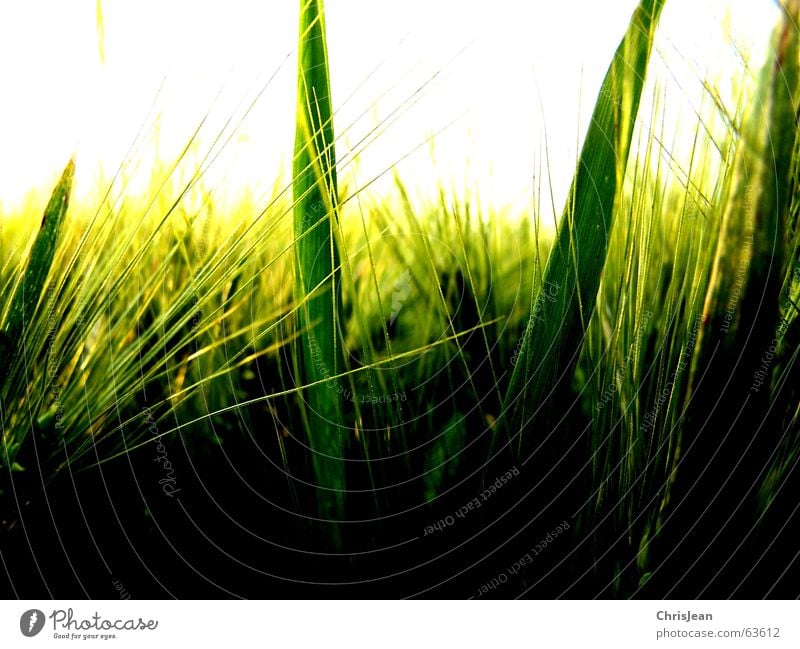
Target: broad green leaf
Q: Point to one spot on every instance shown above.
(29, 290)
(317, 261)
(566, 301)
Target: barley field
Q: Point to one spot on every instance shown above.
(343, 382)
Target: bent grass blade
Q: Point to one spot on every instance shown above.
(550, 344)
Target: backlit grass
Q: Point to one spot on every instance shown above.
(395, 352)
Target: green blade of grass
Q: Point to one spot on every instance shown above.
(742, 307)
(316, 257)
(549, 349)
(753, 221)
(29, 290)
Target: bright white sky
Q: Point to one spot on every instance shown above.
(57, 97)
